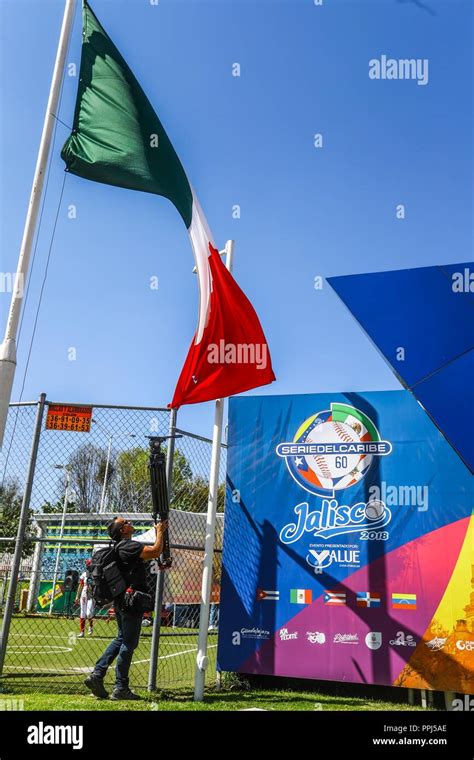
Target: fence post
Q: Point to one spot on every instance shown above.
(3, 588)
(35, 571)
(21, 532)
(160, 578)
(449, 697)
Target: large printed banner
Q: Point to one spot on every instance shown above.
(349, 543)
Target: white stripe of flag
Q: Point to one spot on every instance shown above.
(268, 596)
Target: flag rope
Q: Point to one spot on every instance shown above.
(45, 277)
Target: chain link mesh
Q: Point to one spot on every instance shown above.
(98, 475)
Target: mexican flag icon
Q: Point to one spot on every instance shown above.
(300, 596)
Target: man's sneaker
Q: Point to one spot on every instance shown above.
(80, 635)
(90, 631)
(124, 694)
(96, 684)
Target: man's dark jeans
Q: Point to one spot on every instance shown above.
(122, 647)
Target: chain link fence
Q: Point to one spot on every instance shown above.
(81, 481)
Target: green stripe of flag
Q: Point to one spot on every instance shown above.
(117, 138)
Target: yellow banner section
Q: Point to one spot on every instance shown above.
(445, 655)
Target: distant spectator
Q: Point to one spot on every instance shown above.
(84, 598)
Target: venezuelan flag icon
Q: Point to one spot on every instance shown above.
(404, 602)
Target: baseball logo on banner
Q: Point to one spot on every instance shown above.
(333, 450)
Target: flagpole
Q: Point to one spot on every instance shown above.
(8, 347)
(201, 659)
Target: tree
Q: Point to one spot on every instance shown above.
(128, 482)
(131, 488)
(49, 509)
(87, 469)
(10, 507)
(193, 495)
(130, 491)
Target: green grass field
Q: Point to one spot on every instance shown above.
(45, 654)
(46, 665)
(182, 700)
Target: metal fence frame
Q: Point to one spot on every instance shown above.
(38, 540)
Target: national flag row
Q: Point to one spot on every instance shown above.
(338, 598)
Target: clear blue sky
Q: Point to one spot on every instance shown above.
(247, 141)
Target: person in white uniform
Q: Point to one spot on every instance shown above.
(84, 598)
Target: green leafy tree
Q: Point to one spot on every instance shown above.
(193, 495)
(128, 483)
(58, 507)
(131, 488)
(10, 509)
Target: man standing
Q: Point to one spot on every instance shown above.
(131, 556)
(84, 598)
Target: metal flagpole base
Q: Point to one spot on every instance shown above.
(201, 658)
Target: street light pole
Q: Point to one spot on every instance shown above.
(61, 532)
(106, 474)
(103, 494)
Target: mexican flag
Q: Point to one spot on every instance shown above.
(300, 596)
(118, 139)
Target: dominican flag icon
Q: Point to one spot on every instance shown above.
(367, 599)
(267, 596)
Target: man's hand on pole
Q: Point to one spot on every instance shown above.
(161, 527)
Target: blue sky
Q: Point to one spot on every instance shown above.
(244, 140)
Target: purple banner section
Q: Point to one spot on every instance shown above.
(336, 638)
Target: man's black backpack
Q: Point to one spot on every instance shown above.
(107, 581)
